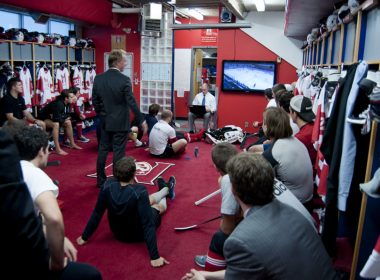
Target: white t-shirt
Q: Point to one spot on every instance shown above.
(229, 204)
(37, 181)
(271, 103)
(159, 136)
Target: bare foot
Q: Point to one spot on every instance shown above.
(61, 152)
(76, 147)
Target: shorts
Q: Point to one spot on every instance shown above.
(167, 153)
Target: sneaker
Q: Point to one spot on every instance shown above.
(200, 260)
(87, 123)
(171, 185)
(161, 183)
(61, 131)
(139, 143)
(83, 139)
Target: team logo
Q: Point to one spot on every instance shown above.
(145, 172)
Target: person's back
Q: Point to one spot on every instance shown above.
(293, 166)
(159, 136)
(124, 207)
(281, 244)
(114, 90)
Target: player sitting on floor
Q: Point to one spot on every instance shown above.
(163, 141)
(229, 209)
(133, 215)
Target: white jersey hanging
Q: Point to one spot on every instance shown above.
(44, 86)
(27, 87)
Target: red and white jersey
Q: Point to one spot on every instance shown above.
(44, 86)
(27, 87)
(78, 79)
(89, 81)
(62, 80)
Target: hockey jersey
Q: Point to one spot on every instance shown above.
(62, 80)
(27, 87)
(89, 82)
(44, 87)
(77, 79)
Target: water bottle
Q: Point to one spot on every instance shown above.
(196, 151)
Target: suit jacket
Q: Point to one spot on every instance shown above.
(113, 99)
(275, 241)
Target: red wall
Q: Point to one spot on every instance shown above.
(102, 40)
(236, 108)
(94, 11)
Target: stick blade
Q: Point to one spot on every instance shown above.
(185, 228)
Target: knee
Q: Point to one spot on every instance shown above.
(183, 142)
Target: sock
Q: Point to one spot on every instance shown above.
(158, 196)
(79, 130)
(215, 262)
(372, 267)
(138, 143)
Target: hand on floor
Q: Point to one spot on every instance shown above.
(193, 275)
(159, 262)
(80, 241)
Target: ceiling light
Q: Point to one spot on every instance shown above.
(260, 5)
(195, 14)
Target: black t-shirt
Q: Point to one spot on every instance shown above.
(9, 104)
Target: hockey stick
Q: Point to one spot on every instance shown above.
(196, 225)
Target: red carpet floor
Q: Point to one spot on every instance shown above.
(196, 177)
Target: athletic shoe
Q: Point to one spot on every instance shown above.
(161, 183)
(139, 143)
(171, 185)
(83, 139)
(200, 260)
(61, 131)
(67, 143)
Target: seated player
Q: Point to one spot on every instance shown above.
(12, 105)
(32, 144)
(133, 215)
(206, 99)
(78, 115)
(56, 115)
(162, 139)
(151, 117)
(229, 209)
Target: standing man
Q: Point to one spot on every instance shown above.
(12, 105)
(206, 99)
(113, 98)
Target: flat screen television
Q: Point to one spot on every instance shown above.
(248, 75)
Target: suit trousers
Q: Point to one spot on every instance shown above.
(206, 119)
(118, 140)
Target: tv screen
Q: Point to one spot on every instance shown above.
(248, 76)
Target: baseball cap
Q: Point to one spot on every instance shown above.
(303, 106)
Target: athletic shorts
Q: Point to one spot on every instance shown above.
(167, 153)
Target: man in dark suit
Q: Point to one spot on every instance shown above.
(274, 240)
(113, 99)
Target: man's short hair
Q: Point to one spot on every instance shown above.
(268, 93)
(65, 94)
(12, 82)
(125, 169)
(277, 123)
(284, 100)
(278, 87)
(220, 155)
(29, 141)
(115, 57)
(166, 114)
(252, 178)
(74, 90)
(12, 127)
(154, 109)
